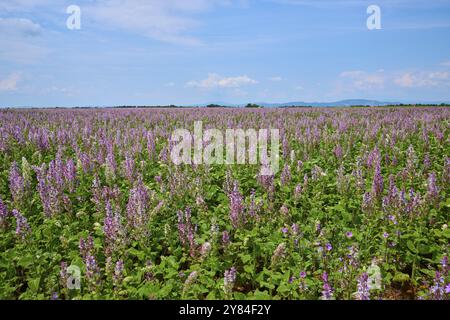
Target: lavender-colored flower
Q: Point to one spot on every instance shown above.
(328, 247)
(318, 226)
(317, 172)
(437, 290)
(338, 152)
(92, 269)
(391, 198)
(267, 181)
(392, 219)
(151, 145)
(137, 208)
(129, 168)
(432, 189)
(63, 274)
(320, 249)
(349, 234)
(110, 168)
(200, 202)
(229, 280)
(447, 288)
(367, 202)
(286, 175)
(298, 191)
(191, 278)
(118, 272)
(299, 165)
(16, 183)
(444, 264)
(3, 214)
(295, 229)
(86, 247)
(253, 208)
(446, 173)
(236, 207)
(284, 230)
(284, 210)
(303, 286)
(22, 227)
(278, 254)
(427, 161)
(205, 249)
(186, 230)
(51, 187)
(70, 172)
(363, 287)
(327, 292)
(377, 186)
(182, 227)
(225, 238)
(189, 281)
(385, 235)
(112, 229)
(373, 156)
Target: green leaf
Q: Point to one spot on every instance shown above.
(33, 284)
(249, 269)
(26, 261)
(283, 288)
(164, 292)
(245, 257)
(411, 246)
(260, 295)
(401, 277)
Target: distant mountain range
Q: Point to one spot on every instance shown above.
(342, 103)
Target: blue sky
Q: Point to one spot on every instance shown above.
(136, 52)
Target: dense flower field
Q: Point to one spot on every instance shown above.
(91, 207)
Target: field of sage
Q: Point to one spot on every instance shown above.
(92, 207)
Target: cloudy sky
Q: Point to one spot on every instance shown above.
(146, 52)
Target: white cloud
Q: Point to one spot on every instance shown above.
(276, 78)
(405, 80)
(66, 91)
(15, 26)
(168, 21)
(21, 40)
(216, 81)
(446, 64)
(422, 79)
(10, 82)
(361, 80)
(170, 84)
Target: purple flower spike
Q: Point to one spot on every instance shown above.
(363, 287)
(327, 292)
(22, 227)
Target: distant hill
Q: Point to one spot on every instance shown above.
(342, 103)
